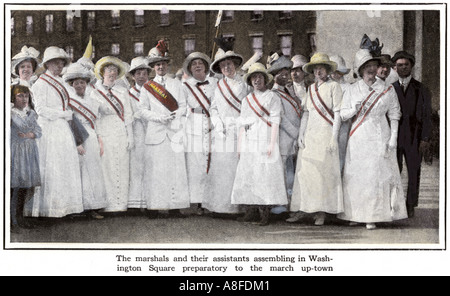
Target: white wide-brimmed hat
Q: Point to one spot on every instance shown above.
(319, 59)
(278, 64)
(139, 63)
(77, 71)
(257, 68)
(221, 55)
(193, 56)
(362, 57)
(25, 54)
(54, 52)
(341, 66)
(299, 61)
(107, 61)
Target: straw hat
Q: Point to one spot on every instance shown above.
(193, 56)
(159, 53)
(299, 61)
(54, 52)
(278, 64)
(319, 59)
(25, 54)
(77, 71)
(362, 57)
(341, 66)
(107, 61)
(139, 63)
(257, 68)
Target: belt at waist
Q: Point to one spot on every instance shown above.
(198, 110)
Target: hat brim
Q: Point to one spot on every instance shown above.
(74, 76)
(269, 77)
(154, 60)
(195, 56)
(106, 61)
(308, 68)
(215, 66)
(17, 62)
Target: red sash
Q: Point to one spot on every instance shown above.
(162, 95)
(295, 104)
(207, 115)
(262, 111)
(202, 103)
(320, 106)
(136, 97)
(60, 89)
(83, 110)
(234, 102)
(115, 103)
(366, 107)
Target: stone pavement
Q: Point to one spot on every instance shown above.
(134, 227)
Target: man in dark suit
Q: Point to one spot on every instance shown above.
(415, 124)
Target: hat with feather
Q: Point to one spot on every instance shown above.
(159, 53)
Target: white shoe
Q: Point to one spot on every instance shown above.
(371, 226)
(295, 218)
(320, 219)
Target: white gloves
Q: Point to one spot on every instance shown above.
(392, 144)
(67, 115)
(333, 145)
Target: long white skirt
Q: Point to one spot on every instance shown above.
(196, 164)
(259, 178)
(136, 196)
(94, 192)
(165, 178)
(60, 193)
(224, 162)
(116, 166)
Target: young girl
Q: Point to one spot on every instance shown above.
(259, 182)
(24, 154)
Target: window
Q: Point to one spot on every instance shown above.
(91, 20)
(189, 17)
(69, 51)
(115, 49)
(29, 26)
(164, 17)
(189, 46)
(139, 18)
(286, 44)
(138, 48)
(228, 16)
(257, 15)
(49, 23)
(69, 22)
(285, 14)
(12, 27)
(115, 19)
(257, 44)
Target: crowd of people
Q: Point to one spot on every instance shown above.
(251, 141)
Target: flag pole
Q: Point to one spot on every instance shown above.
(217, 25)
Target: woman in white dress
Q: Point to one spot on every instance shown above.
(373, 190)
(140, 71)
(163, 109)
(317, 185)
(198, 91)
(60, 193)
(85, 109)
(259, 182)
(225, 110)
(114, 126)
